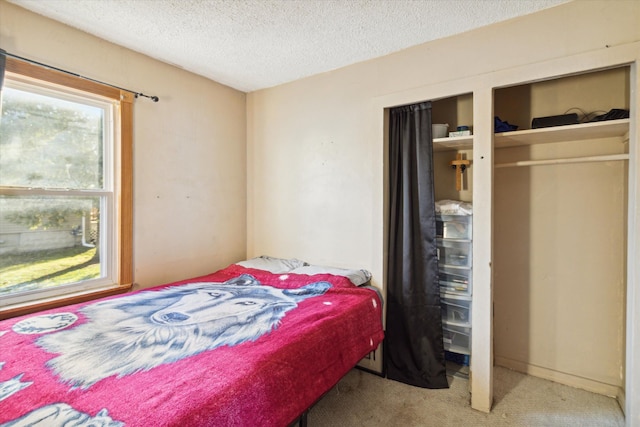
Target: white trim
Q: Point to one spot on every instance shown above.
(107, 194)
(482, 312)
(19, 81)
(71, 293)
(632, 355)
(561, 377)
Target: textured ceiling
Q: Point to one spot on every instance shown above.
(255, 44)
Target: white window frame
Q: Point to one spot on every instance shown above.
(116, 195)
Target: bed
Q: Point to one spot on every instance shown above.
(256, 343)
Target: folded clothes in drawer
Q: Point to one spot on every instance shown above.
(455, 279)
(454, 253)
(456, 310)
(456, 339)
(454, 226)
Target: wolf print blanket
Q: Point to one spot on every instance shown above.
(238, 347)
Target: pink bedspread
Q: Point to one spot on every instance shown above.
(237, 347)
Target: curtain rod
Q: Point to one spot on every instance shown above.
(40, 64)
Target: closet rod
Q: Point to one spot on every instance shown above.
(606, 158)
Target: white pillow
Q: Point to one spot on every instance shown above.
(272, 264)
(357, 277)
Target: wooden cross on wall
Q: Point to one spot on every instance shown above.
(460, 166)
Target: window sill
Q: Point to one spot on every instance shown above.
(33, 307)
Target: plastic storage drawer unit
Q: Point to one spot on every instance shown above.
(456, 339)
(456, 310)
(455, 253)
(454, 226)
(455, 280)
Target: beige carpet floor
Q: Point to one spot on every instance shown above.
(364, 399)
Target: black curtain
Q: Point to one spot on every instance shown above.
(414, 353)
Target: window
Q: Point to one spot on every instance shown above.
(65, 189)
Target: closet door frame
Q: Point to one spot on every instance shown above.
(632, 369)
(483, 145)
(611, 57)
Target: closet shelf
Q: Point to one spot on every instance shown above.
(595, 130)
(453, 143)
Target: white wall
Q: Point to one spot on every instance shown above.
(316, 146)
(312, 148)
(189, 148)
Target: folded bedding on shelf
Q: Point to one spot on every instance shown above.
(454, 207)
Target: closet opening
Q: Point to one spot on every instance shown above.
(453, 189)
(452, 136)
(560, 229)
